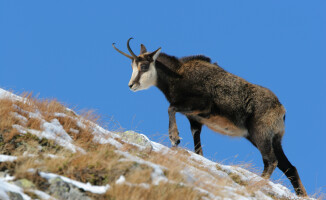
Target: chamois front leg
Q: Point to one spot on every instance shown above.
(187, 109)
(173, 129)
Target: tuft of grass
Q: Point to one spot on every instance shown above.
(236, 178)
(101, 164)
(166, 191)
(7, 119)
(34, 123)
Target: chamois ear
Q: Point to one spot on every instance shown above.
(156, 53)
(142, 49)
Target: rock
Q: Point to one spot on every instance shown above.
(25, 184)
(63, 190)
(136, 138)
(15, 196)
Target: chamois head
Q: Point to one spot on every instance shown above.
(144, 73)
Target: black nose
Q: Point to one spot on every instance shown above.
(130, 86)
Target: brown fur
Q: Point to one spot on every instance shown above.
(209, 95)
(222, 125)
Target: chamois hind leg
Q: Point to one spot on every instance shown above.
(264, 145)
(288, 169)
(196, 130)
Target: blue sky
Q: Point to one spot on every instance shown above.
(62, 49)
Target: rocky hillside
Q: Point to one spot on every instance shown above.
(47, 151)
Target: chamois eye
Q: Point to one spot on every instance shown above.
(143, 67)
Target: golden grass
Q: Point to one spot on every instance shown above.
(166, 191)
(101, 164)
(7, 119)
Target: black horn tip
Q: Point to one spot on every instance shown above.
(129, 49)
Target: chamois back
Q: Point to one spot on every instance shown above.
(195, 57)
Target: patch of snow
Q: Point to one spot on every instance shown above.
(19, 128)
(25, 154)
(55, 129)
(35, 115)
(157, 147)
(50, 133)
(59, 115)
(9, 187)
(85, 186)
(260, 195)
(7, 177)
(207, 164)
(98, 130)
(74, 130)
(5, 94)
(107, 140)
(6, 158)
(198, 171)
(277, 190)
(81, 124)
(157, 174)
(53, 156)
(42, 195)
(120, 180)
(20, 117)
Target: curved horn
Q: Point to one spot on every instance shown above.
(129, 49)
(123, 53)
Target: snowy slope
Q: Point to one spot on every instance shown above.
(204, 176)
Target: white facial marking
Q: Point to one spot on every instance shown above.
(146, 80)
(133, 75)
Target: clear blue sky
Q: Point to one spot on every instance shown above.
(63, 49)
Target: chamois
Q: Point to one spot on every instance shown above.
(208, 95)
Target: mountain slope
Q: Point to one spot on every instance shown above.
(47, 151)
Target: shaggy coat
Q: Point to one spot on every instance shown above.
(208, 95)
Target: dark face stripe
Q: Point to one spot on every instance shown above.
(137, 79)
(141, 59)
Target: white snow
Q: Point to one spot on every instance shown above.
(43, 195)
(198, 171)
(55, 130)
(52, 131)
(107, 140)
(85, 186)
(6, 94)
(21, 118)
(60, 115)
(74, 131)
(9, 187)
(157, 147)
(120, 180)
(157, 174)
(6, 158)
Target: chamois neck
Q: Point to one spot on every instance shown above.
(170, 62)
(166, 67)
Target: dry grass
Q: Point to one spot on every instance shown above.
(7, 119)
(26, 112)
(164, 191)
(177, 162)
(101, 164)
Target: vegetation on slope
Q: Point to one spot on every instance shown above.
(128, 168)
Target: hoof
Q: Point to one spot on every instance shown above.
(176, 143)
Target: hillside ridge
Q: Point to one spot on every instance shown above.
(48, 151)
